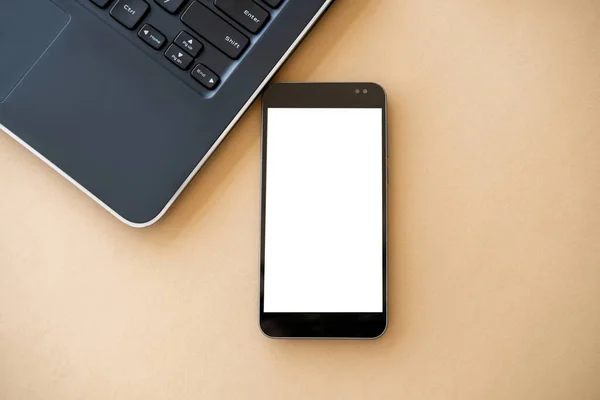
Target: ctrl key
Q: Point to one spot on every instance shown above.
(178, 57)
(205, 76)
(129, 12)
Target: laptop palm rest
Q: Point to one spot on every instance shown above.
(38, 23)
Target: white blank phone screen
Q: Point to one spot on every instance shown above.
(324, 211)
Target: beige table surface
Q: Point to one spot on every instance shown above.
(494, 230)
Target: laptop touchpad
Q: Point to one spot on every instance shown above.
(27, 29)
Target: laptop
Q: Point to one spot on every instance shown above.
(127, 99)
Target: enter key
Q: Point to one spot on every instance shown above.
(245, 12)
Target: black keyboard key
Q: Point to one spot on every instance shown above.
(245, 12)
(273, 3)
(205, 76)
(152, 36)
(178, 57)
(170, 5)
(189, 43)
(214, 29)
(101, 3)
(129, 12)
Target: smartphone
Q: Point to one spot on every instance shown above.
(323, 253)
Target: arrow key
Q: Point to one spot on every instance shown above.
(152, 36)
(189, 43)
(178, 57)
(205, 76)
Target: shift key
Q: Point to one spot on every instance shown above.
(215, 30)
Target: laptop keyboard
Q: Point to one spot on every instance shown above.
(226, 25)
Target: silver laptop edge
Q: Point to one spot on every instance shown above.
(208, 154)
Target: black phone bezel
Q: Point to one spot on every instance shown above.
(324, 325)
